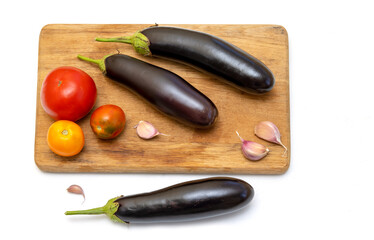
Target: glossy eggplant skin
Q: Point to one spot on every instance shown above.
(186, 201)
(165, 90)
(211, 54)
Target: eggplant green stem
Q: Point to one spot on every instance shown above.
(99, 62)
(109, 209)
(125, 39)
(138, 40)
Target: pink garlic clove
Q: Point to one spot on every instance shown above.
(252, 150)
(269, 132)
(146, 130)
(76, 189)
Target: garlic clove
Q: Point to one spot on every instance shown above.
(252, 150)
(269, 132)
(76, 189)
(146, 130)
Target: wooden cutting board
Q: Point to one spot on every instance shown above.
(185, 150)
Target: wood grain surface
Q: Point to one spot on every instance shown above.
(185, 150)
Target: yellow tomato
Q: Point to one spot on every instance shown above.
(65, 138)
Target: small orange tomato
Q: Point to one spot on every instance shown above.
(108, 121)
(65, 138)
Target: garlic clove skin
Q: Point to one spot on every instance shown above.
(76, 189)
(146, 130)
(269, 132)
(252, 150)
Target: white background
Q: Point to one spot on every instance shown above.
(327, 193)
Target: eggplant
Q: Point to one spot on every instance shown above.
(205, 52)
(165, 90)
(192, 200)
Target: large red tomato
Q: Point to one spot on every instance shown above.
(108, 121)
(68, 93)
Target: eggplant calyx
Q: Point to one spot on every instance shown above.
(109, 209)
(99, 62)
(138, 40)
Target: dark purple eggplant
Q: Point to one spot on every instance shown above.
(205, 52)
(186, 201)
(165, 90)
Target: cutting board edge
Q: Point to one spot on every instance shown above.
(272, 171)
(279, 169)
